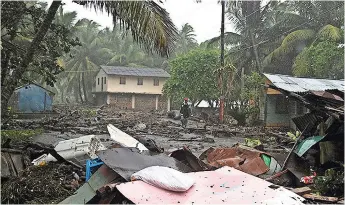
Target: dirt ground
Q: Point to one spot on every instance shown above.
(74, 122)
(200, 134)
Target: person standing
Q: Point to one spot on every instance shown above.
(185, 113)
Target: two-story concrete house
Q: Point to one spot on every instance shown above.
(131, 88)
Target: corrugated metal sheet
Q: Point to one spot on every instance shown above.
(223, 186)
(294, 84)
(143, 72)
(303, 121)
(127, 161)
(242, 158)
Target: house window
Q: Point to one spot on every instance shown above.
(140, 81)
(105, 80)
(122, 80)
(156, 82)
(98, 81)
(281, 105)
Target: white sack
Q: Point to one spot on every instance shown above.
(165, 178)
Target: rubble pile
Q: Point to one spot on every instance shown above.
(305, 165)
(41, 184)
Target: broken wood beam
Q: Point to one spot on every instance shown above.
(320, 198)
(302, 190)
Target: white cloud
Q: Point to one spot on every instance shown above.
(205, 17)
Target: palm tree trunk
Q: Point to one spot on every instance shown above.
(10, 85)
(79, 90)
(84, 88)
(255, 48)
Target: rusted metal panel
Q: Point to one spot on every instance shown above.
(223, 186)
(127, 161)
(242, 158)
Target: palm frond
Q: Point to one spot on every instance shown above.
(150, 25)
(290, 42)
(230, 38)
(330, 32)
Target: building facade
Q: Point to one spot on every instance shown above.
(131, 88)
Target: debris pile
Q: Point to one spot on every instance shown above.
(41, 184)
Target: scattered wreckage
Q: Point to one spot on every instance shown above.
(237, 174)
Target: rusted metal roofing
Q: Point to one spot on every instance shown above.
(223, 186)
(240, 157)
(294, 84)
(142, 72)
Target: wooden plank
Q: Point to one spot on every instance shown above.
(320, 198)
(302, 190)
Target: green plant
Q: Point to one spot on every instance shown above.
(19, 135)
(332, 184)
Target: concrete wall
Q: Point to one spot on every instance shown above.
(101, 98)
(101, 74)
(120, 100)
(113, 84)
(145, 102)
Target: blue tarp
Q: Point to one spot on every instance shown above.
(33, 98)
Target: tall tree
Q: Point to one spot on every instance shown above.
(311, 21)
(193, 75)
(186, 39)
(150, 26)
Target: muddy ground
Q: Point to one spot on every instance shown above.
(200, 134)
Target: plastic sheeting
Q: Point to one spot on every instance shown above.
(33, 98)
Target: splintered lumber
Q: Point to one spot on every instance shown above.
(302, 190)
(320, 198)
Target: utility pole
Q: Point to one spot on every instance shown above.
(220, 78)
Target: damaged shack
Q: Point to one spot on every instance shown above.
(321, 142)
(278, 110)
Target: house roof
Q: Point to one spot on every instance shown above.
(51, 92)
(294, 84)
(127, 71)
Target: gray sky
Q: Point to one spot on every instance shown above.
(204, 17)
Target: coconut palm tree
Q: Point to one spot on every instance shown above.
(150, 26)
(311, 20)
(251, 21)
(186, 40)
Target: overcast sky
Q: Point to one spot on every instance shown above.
(205, 17)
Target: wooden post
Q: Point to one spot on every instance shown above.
(221, 107)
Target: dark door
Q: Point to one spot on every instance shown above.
(102, 85)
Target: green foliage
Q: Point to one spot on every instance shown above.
(88, 113)
(193, 76)
(17, 34)
(244, 103)
(322, 60)
(332, 184)
(19, 135)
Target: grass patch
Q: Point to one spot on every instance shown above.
(89, 113)
(19, 135)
